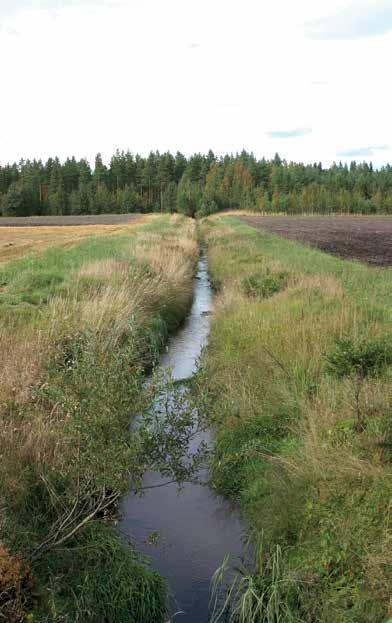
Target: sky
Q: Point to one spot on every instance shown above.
(308, 79)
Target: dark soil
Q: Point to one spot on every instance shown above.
(364, 238)
(47, 221)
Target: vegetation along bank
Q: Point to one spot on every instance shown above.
(297, 384)
(79, 327)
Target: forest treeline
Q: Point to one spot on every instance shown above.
(201, 184)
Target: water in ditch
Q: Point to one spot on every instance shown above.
(196, 529)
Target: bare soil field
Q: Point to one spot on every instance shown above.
(364, 238)
(35, 234)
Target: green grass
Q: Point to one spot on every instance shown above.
(78, 330)
(105, 581)
(288, 448)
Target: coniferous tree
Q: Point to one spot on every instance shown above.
(128, 200)
(15, 202)
(188, 197)
(162, 182)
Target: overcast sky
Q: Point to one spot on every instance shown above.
(310, 79)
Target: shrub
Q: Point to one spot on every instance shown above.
(264, 285)
(359, 359)
(362, 357)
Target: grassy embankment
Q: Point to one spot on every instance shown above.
(303, 424)
(78, 328)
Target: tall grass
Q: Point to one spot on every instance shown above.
(288, 445)
(78, 329)
(262, 597)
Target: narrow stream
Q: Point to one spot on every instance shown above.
(196, 528)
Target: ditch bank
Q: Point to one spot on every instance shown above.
(187, 532)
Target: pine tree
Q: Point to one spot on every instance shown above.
(100, 171)
(188, 197)
(14, 203)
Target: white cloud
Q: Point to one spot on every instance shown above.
(293, 133)
(361, 19)
(362, 152)
(93, 75)
(8, 7)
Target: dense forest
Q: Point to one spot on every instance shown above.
(200, 184)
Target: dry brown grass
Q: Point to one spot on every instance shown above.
(16, 242)
(15, 587)
(21, 357)
(168, 259)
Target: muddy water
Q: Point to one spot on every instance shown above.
(196, 529)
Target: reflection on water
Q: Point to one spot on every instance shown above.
(184, 348)
(196, 529)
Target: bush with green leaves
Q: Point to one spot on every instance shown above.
(264, 285)
(359, 359)
(363, 357)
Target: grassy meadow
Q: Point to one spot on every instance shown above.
(297, 384)
(79, 327)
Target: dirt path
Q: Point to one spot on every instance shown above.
(365, 238)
